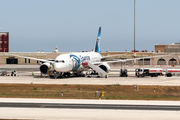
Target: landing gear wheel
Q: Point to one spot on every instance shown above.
(55, 76)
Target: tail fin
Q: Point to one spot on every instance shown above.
(97, 45)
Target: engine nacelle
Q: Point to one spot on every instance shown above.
(104, 66)
(44, 68)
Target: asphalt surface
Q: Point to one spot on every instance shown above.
(86, 109)
(25, 77)
(75, 109)
(90, 106)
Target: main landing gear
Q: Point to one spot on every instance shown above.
(123, 73)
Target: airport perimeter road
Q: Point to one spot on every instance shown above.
(70, 113)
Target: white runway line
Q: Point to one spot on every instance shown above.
(90, 101)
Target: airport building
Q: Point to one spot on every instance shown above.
(4, 42)
(162, 59)
(168, 48)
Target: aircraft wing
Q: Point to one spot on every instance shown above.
(42, 60)
(103, 57)
(125, 60)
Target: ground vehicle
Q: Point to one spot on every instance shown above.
(3, 73)
(153, 72)
(123, 73)
(12, 73)
(171, 72)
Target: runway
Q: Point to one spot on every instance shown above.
(91, 106)
(66, 109)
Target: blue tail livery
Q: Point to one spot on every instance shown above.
(97, 45)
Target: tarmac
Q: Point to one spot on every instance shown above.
(25, 72)
(25, 77)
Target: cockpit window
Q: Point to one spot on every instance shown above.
(59, 61)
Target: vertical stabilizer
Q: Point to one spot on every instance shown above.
(97, 45)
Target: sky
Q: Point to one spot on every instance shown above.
(72, 25)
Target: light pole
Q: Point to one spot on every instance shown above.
(134, 33)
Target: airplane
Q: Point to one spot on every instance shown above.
(64, 64)
(76, 63)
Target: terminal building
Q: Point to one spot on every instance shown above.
(168, 48)
(162, 59)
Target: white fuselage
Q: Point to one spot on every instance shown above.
(73, 61)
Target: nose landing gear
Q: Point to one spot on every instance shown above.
(55, 74)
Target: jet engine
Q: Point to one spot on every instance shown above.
(44, 68)
(104, 66)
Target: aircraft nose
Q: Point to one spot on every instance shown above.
(60, 67)
(57, 67)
